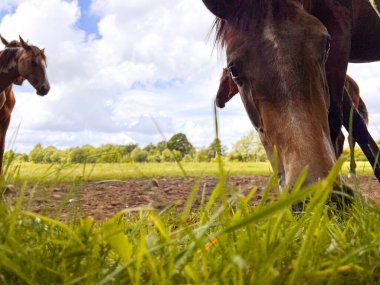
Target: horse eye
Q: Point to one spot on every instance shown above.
(235, 75)
(233, 71)
(327, 44)
(34, 63)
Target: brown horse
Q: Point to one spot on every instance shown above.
(7, 103)
(351, 99)
(7, 99)
(27, 61)
(285, 56)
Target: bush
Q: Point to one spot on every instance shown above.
(139, 155)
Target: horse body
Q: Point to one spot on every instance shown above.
(5, 118)
(354, 27)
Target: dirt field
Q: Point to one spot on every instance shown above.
(102, 199)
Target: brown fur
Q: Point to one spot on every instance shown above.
(7, 98)
(30, 63)
(268, 33)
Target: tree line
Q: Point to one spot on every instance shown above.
(177, 148)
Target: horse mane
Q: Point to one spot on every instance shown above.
(7, 57)
(248, 13)
(14, 44)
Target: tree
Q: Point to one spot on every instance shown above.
(180, 143)
(49, 154)
(250, 147)
(36, 155)
(215, 148)
(149, 147)
(77, 155)
(161, 146)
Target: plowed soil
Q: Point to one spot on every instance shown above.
(103, 199)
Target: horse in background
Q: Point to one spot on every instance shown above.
(7, 98)
(351, 101)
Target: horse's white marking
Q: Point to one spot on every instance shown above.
(5, 69)
(270, 36)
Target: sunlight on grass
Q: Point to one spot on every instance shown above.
(224, 241)
(120, 171)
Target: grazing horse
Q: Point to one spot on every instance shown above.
(351, 99)
(7, 98)
(289, 60)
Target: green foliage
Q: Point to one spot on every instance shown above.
(139, 155)
(36, 155)
(250, 148)
(234, 156)
(216, 148)
(223, 241)
(202, 155)
(180, 143)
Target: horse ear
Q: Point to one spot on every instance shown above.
(4, 41)
(222, 8)
(24, 44)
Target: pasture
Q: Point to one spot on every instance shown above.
(148, 224)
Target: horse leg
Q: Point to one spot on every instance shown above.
(351, 143)
(3, 130)
(339, 144)
(360, 134)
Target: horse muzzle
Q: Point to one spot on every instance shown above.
(43, 90)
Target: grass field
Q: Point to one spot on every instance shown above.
(56, 173)
(224, 241)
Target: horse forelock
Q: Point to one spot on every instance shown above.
(39, 52)
(250, 14)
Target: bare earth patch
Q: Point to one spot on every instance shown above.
(103, 199)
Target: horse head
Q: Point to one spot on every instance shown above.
(276, 54)
(32, 66)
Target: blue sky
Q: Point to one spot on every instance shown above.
(88, 21)
(115, 64)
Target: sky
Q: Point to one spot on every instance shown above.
(116, 66)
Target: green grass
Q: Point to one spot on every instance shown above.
(222, 242)
(46, 173)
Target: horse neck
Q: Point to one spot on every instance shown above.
(7, 78)
(9, 59)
